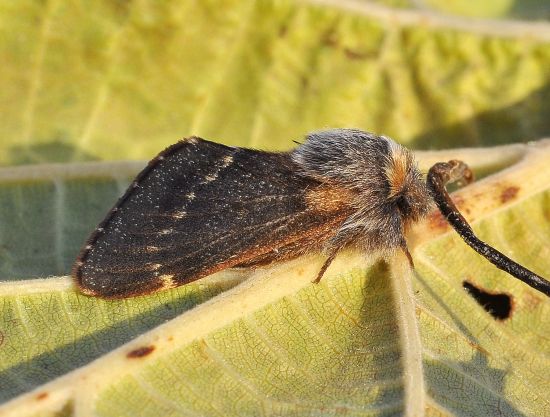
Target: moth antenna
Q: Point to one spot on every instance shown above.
(457, 171)
(325, 266)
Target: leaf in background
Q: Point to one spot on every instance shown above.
(103, 80)
(525, 9)
(108, 80)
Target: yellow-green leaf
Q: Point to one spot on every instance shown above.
(92, 81)
(103, 80)
(372, 339)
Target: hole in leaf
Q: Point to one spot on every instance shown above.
(498, 305)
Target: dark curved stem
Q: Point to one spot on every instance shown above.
(448, 172)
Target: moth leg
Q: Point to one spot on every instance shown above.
(405, 250)
(325, 266)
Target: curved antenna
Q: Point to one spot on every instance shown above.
(457, 171)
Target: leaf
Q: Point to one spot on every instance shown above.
(525, 9)
(363, 342)
(121, 80)
(105, 81)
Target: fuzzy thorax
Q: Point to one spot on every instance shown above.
(384, 188)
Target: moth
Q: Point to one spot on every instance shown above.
(200, 207)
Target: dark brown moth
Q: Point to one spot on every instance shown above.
(200, 207)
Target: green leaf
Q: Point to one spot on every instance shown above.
(121, 80)
(372, 339)
(525, 9)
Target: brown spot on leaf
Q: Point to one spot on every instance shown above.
(1, 338)
(140, 352)
(459, 201)
(355, 55)
(330, 38)
(462, 205)
(509, 193)
(41, 396)
(531, 301)
(437, 221)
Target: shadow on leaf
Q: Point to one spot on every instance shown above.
(54, 151)
(45, 367)
(522, 122)
(466, 388)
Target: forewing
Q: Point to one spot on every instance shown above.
(195, 209)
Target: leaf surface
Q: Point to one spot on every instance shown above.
(81, 84)
(122, 80)
(372, 339)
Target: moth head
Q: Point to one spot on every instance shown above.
(407, 190)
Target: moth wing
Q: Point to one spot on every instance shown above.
(197, 208)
